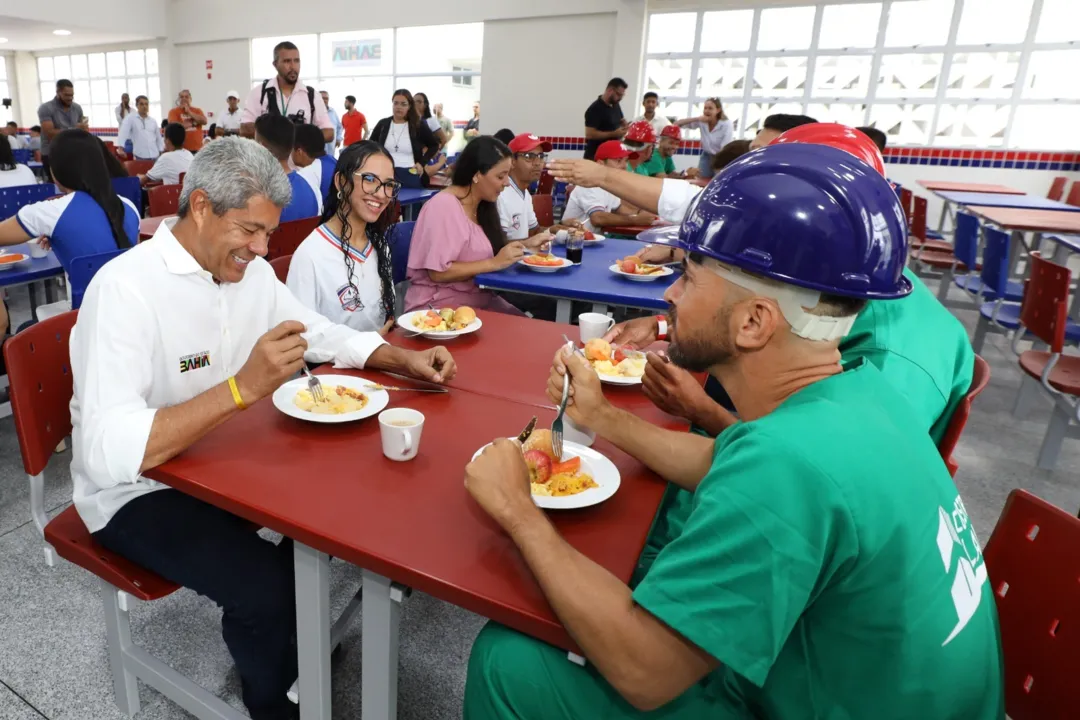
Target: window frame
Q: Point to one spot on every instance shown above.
(159, 105)
(876, 52)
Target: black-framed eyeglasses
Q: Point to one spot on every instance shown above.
(532, 156)
(371, 184)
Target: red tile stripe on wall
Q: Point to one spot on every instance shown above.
(955, 157)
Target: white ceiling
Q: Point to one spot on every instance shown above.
(38, 36)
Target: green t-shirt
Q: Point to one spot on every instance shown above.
(656, 165)
(829, 565)
(923, 352)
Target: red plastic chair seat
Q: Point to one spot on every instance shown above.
(942, 260)
(1065, 376)
(73, 542)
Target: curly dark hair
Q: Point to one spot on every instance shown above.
(339, 205)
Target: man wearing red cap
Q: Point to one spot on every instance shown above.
(662, 163)
(595, 207)
(515, 203)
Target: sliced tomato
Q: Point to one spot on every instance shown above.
(618, 356)
(567, 467)
(589, 235)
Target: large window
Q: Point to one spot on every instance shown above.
(101, 78)
(955, 73)
(441, 61)
(5, 91)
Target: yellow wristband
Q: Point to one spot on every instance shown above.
(236, 394)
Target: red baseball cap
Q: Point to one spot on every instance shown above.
(527, 142)
(614, 150)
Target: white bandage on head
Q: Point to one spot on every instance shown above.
(793, 302)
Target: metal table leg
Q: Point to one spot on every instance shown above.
(382, 613)
(562, 311)
(944, 214)
(313, 630)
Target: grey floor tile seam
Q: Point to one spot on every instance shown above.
(49, 512)
(23, 700)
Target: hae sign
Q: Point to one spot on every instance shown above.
(357, 53)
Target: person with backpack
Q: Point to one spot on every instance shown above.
(286, 95)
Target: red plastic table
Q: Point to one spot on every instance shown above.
(148, 226)
(626, 230)
(330, 489)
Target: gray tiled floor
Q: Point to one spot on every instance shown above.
(52, 655)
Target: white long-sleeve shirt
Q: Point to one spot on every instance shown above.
(154, 331)
(144, 134)
(675, 198)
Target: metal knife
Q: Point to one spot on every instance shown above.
(527, 431)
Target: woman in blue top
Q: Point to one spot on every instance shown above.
(89, 217)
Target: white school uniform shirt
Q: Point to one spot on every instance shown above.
(168, 167)
(144, 134)
(21, 175)
(318, 278)
(231, 120)
(676, 197)
(399, 145)
(135, 349)
(516, 211)
(586, 201)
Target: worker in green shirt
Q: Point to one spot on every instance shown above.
(662, 161)
(828, 568)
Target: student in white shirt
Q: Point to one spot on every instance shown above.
(594, 206)
(649, 103)
(516, 212)
(230, 119)
(143, 131)
(12, 132)
(342, 270)
(175, 160)
(152, 375)
(13, 174)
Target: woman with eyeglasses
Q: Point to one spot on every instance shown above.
(409, 141)
(459, 234)
(716, 132)
(342, 270)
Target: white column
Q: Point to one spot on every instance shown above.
(23, 66)
(628, 50)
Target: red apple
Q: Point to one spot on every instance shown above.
(539, 466)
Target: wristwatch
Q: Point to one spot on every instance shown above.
(661, 327)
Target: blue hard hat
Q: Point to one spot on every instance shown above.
(806, 215)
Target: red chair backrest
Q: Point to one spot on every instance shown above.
(281, 266)
(1074, 194)
(1033, 561)
(180, 180)
(164, 199)
(546, 184)
(918, 219)
(138, 167)
(979, 379)
(1057, 188)
(39, 371)
(1045, 310)
(544, 209)
(906, 199)
(289, 235)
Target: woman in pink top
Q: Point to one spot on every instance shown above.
(459, 236)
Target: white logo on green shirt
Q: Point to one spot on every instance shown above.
(955, 529)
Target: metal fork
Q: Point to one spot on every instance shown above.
(314, 386)
(557, 423)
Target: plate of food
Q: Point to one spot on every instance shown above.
(347, 398)
(10, 260)
(582, 477)
(441, 323)
(633, 268)
(615, 365)
(545, 263)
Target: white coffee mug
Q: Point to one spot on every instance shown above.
(576, 434)
(36, 251)
(594, 325)
(401, 428)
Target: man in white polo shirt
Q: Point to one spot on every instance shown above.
(174, 337)
(230, 119)
(286, 95)
(594, 206)
(515, 204)
(143, 131)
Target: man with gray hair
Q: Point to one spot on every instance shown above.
(174, 337)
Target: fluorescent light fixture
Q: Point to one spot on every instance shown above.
(61, 32)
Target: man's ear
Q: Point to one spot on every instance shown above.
(758, 320)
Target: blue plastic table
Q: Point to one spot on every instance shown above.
(1028, 202)
(592, 282)
(409, 198)
(28, 273)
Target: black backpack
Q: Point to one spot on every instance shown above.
(273, 109)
